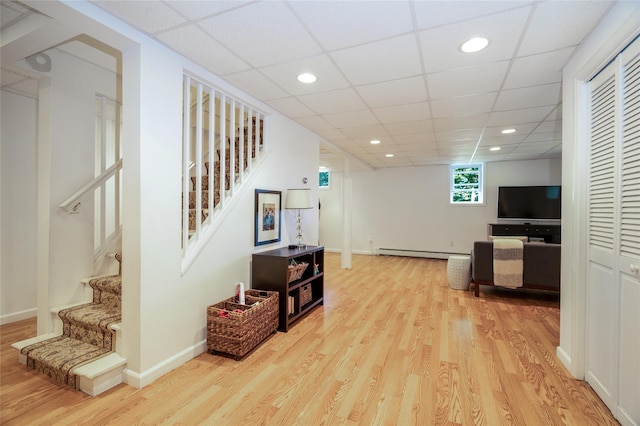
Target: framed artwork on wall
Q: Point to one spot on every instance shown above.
(268, 216)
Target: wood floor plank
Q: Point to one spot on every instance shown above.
(392, 344)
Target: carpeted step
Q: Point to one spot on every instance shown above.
(87, 334)
(59, 356)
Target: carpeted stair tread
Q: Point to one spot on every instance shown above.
(57, 357)
(86, 333)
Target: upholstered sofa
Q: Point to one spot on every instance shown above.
(541, 266)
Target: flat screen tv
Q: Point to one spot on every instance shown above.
(529, 202)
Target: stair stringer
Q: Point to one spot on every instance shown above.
(215, 220)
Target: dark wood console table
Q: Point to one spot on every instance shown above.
(270, 271)
(550, 233)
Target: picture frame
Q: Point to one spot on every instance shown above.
(268, 217)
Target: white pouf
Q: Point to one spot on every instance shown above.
(459, 272)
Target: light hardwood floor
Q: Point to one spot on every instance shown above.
(391, 345)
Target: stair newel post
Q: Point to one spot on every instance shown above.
(185, 162)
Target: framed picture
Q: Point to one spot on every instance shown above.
(268, 216)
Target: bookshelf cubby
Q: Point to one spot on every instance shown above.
(270, 271)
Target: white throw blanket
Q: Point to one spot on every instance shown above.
(507, 262)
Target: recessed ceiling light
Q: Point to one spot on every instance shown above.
(375, 142)
(508, 131)
(494, 148)
(388, 155)
(307, 78)
(474, 45)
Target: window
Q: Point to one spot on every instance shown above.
(324, 179)
(466, 184)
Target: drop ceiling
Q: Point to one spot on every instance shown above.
(389, 70)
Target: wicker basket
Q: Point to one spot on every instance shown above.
(305, 294)
(295, 271)
(237, 333)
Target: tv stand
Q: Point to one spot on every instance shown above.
(550, 233)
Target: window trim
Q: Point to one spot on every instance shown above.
(481, 187)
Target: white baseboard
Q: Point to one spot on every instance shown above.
(564, 357)
(140, 380)
(18, 316)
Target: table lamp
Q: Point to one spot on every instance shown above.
(298, 199)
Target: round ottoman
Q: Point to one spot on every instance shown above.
(459, 272)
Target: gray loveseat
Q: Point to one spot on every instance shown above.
(541, 266)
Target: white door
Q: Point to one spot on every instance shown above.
(613, 288)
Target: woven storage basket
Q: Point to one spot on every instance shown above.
(305, 294)
(239, 332)
(294, 272)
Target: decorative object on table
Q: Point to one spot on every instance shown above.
(295, 270)
(298, 199)
(268, 216)
(236, 329)
(240, 293)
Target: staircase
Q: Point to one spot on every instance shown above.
(84, 355)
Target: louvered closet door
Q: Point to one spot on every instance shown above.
(613, 287)
(629, 252)
(602, 288)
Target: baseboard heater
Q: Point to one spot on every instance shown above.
(416, 253)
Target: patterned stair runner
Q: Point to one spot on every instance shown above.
(86, 334)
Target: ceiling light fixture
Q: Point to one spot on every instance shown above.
(375, 142)
(388, 155)
(508, 131)
(494, 148)
(474, 45)
(307, 78)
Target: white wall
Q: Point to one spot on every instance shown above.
(18, 215)
(615, 31)
(408, 207)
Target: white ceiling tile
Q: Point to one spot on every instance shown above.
(501, 140)
(463, 105)
(206, 52)
(435, 13)
(316, 123)
(291, 107)
(366, 131)
(549, 94)
(285, 75)
(522, 130)
(364, 64)
(262, 34)
(542, 137)
(351, 119)
(333, 102)
(395, 92)
(538, 69)
(571, 21)
(528, 115)
(339, 24)
(462, 135)
(149, 16)
(441, 46)
(549, 126)
(410, 128)
(256, 85)
(419, 147)
(466, 81)
(199, 9)
(403, 113)
(418, 138)
(452, 123)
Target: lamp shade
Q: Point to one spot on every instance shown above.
(298, 199)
